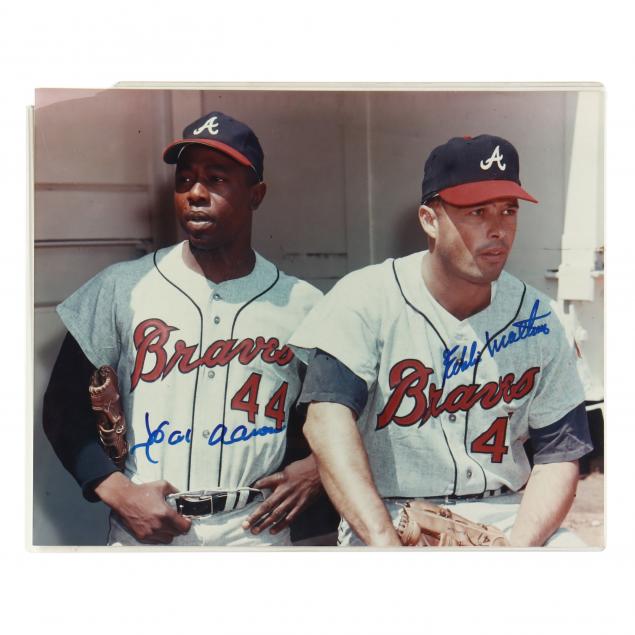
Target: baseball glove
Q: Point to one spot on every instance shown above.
(426, 525)
(111, 423)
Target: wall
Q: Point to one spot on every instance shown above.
(94, 198)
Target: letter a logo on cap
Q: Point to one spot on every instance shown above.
(211, 125)
(496, 157)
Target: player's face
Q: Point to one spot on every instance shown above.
(214, 198)
(473, 243)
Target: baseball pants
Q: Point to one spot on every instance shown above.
(217, 530)
(499, 511)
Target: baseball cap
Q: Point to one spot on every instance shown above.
(223, 133)
(472, 170)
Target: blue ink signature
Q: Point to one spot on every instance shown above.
(157, 436)
(239, 433)
(453, 364)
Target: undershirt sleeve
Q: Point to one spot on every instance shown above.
(327, 379)
(568, 439)
(69, 421)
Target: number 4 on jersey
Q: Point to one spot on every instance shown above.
(246, 399)
(275, 408)
(492, 441)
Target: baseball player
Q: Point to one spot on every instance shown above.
(429, 373)
(197, 333)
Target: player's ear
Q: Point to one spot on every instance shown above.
(429, 221)
(257, 193)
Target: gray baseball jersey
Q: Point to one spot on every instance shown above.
(450, 402)
(206, 377)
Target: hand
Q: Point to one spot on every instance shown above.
(293, 489)
(143, 509)
(547, 499)
(386, 537)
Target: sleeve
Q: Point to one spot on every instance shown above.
(345, 324)
(568, 439)
(560, 388)
(320, 516)
(297, 445)
(69, 422)
(90, 317)
(327, 379)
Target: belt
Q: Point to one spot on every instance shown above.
(209, 502)
(488, 493)
(453, 498)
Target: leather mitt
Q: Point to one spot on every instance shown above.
(426, 525)
(111, 422)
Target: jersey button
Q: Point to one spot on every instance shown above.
(205, 433)
(469, 473)
(211, 374)
(217, 320)
(452, 418)
(216, 296)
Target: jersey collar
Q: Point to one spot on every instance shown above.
(171, 264)
(416, 293)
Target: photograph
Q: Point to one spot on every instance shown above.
(318, 317)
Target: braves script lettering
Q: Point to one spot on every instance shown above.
(151, 337)
(454, 363)
(409, 378)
